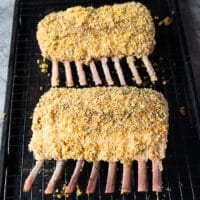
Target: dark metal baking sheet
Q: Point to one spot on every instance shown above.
(181, 175)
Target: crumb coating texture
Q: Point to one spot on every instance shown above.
(86, 33)
(111, 124)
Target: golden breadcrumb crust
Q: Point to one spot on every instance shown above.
(111, 124)
(86, 33)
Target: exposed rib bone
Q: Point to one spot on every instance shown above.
(72, 184)
(55, 177)
(55, 73)
(110, 183)
(95, 74)
(93, 178)
(126, 179)
(133, 69)
(68, 73)
(157, 177)
(33, 174)
(142, 176)
(118, 68)
(150, 68)
(81, 73)
(106, 71)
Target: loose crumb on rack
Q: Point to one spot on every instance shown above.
(43, 67)
(182, 110)
(166, 21)
(3, 116)
(60, 194)
(164, 82)
(78, 191)
(156, 17)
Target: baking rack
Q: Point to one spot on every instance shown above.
(181, 175)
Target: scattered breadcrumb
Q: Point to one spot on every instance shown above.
(60, 194)
(168, 189)
(44, 67)
(166, 21)
(156, 17)
(78, 191)
(164, 82)
(41, 88)
(3, 116)
(182, 110)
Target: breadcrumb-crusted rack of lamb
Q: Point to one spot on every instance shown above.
(85, 34)
(113, 124)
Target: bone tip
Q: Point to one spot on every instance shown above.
(83, 84)
(88, 191)
(142, 189)
(27, 185)
(110, 82)
(49, 190)
(68, 190)
(109, 190)
(123, 84)
(157, 188)
(139, 82)
(68, 84)
(54, 82)
(26, 188)
(154, 78)
(99, 83)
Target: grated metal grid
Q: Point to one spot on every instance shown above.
(181, 175)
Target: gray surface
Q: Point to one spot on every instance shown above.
(6, 15)
(190, 10)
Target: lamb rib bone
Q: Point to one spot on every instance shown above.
(106, 71)
(142, 176)
(81, 73)
(55, 177)
(133, 69)
(110, 183)
(68, 73)
(95, 74)
(32, 176)
(73, 181)
(93, 178)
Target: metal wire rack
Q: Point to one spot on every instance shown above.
(181, 175)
